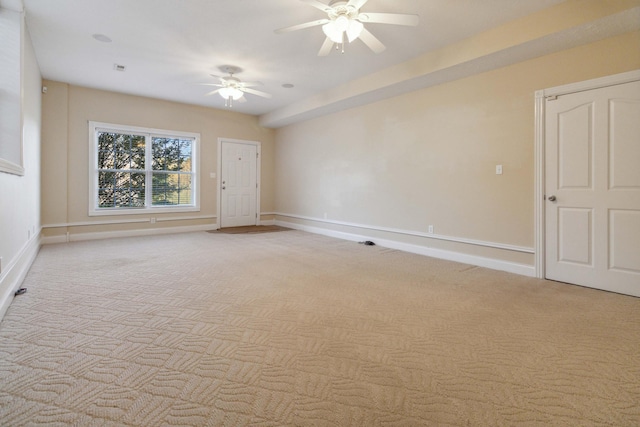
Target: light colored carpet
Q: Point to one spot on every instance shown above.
(297, 329)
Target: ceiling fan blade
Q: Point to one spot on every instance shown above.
(211, 84)
(357, 4)
(256, 92)
(251, 84)
(371, 41)
(302, 26)
(326, 47)
(318, 5)
(213, 92)
(389, 18)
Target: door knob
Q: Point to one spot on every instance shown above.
(552, 198)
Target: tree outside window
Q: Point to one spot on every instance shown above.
(142, 170)
(171, 171)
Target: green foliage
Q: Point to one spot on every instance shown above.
(118, 151)
(171, 155)
(122, 173)
(121, 178)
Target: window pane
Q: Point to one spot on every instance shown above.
(171, 154)
(185, 186)
(120, 151)
(185, 155)
(171, 189)
(120, 189)
(165, 153)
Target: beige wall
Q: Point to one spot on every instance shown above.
(429, 157)
(67, 109)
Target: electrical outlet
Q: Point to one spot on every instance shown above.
(498, 169)
(153, 220)
(430, 229)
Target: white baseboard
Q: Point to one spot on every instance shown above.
(14, 273)
(77, 237)
(495, 264)
(402, 232)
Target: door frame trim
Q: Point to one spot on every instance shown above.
(258, 145)
(539, 151)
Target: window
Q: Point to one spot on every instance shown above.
(138, 170)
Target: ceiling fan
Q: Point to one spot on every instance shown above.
(344, 21)
(232, 88)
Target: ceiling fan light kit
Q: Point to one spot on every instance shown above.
(336, 30)
(230, 94)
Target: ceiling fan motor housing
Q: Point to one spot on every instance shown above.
(341, 8)
(232, 81)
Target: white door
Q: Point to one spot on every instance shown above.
(238, 184)
(592, 188)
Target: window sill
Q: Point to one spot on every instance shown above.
(143, 211)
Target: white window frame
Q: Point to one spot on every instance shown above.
(94, 210)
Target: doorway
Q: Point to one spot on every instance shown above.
(239, 183)
(590, 184)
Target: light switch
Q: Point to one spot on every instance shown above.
(212, 175)
(498, 169)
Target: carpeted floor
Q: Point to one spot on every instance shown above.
(295, 329)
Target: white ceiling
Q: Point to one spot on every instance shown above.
(169, 46)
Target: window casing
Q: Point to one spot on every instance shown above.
(140, 170)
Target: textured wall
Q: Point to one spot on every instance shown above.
(429, 157)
